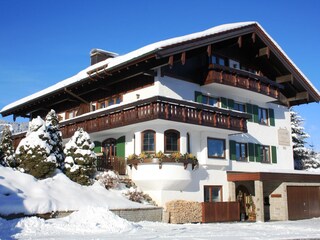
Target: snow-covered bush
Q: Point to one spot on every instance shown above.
(55, 137)
(109, 179)
(79, 163)
(135, 195)
(7, 156)
(33, 154)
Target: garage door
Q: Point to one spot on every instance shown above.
(303, 202)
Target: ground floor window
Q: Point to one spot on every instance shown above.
(241, 151)
(171, 141)
(213, 193)
(148, 141)
(265, 154)
(216, 148)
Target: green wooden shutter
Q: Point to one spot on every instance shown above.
(251, 152)
(271, 117)
(230, 103)
(224, 102)
(97, 147)
(274, 154)
(198, 97)
(121, 146)
(232, 149)
(249, 110)
(257, 153)
(255, 113)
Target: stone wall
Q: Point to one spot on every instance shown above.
(180, 211)
(140, 214)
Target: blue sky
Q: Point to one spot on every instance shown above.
(45, 41)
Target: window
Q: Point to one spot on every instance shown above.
(234, 64)
(171, 141)
(71, 113)
(263, 116)
(212, 193)
(93, 106)
(148, 141)
(210, 101)
(216, 148)
(239, 107)
(241, 151)
(265, 154)
(102, 104)
(218, 60)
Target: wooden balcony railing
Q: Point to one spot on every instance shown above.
(242, 79)
(157, 108)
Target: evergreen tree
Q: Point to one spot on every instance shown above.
(34, 153)
(7, 156)
(313, 161)
(55, 137)
(299, 136)
(80, 159)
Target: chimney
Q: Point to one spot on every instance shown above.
(98, 55)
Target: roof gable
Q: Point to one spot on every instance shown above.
(302, 88)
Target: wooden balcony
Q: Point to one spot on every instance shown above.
(242, 79)
(157, 108)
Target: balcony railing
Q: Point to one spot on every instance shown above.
(242, 79)
(157, 108)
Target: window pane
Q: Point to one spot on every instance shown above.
(221, 62)
(204, 99)
(148, 141)
(216, 148)
(215, 194)
(214, 60)
(171, 141)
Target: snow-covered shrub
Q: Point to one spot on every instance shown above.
(33, 154)
(7, 156)
(134, 194)
(79, 163)
(55, 137)
(109, 179)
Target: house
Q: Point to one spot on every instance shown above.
(221, 95)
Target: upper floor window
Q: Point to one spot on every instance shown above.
(71, 113)
(263, 116)
(148, 141)
(216, 148)
(265, 154)
(213, 101)
(218, 60)
(171, 141)
(241, 151)
(234, 64)
(212, 193)
(239, 106)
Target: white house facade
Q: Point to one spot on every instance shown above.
(203, 117)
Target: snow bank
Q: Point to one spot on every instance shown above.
(22, 193)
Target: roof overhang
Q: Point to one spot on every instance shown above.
(274, 176)
(154, 55)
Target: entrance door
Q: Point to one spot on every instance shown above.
(109, 148)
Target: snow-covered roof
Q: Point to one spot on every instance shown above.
(111, 63)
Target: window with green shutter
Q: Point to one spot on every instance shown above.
(198, 97)
(97, 147)
(255, 111)
(232, 146)
(257, 152)
(224, 102)
(251, 152)
(274, 154)
(121, 146)
(271, 117)
(230, 103)
(249, 110)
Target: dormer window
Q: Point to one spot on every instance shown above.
(218, 60)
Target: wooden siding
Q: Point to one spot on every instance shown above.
(117, 164)
(220, 212)
(157, 108)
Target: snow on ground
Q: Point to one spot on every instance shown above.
(22, 193)
(100, 223)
